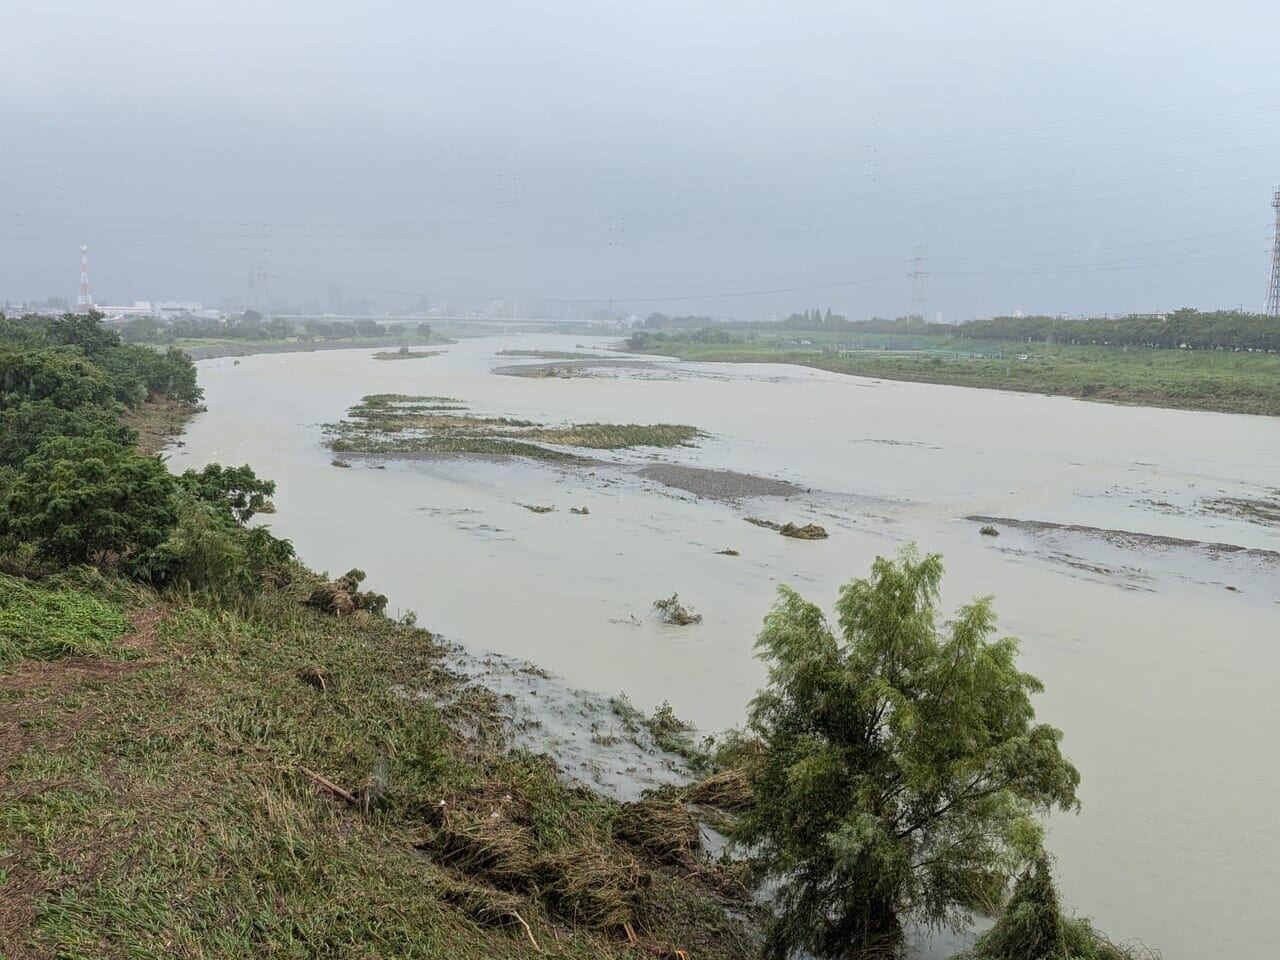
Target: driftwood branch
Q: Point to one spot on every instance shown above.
(527, 930)
(328, 784)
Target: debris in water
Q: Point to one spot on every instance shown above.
(343, 596)
(989, 531)
(671, 610)
(580, 511)
(729, 552)
(810, 531)
(536, 508)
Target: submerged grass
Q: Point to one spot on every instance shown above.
(181, 821)
(618, 436)
(400, 424)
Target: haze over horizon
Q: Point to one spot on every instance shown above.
(738, 159)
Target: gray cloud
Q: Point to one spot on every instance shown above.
(1081, 157)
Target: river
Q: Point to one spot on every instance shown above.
(1160, 660)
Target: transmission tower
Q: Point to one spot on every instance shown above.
(918, 275)
(1273, 292)
(84, 302)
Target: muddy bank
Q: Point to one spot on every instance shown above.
(1130, 539)
(724, 485)
(717, 484)
(582, 731)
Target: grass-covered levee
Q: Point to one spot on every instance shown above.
(185, 777)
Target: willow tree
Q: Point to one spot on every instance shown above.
(900, 770)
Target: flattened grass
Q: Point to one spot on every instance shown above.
(42, 624)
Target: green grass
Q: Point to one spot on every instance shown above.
(179, 823)
(1186, 379)
(49, 624)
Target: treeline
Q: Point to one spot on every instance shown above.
(1183, 329)
(70, 377)
(646, 339)
(660, 321)
(74, 489)
(252, 326)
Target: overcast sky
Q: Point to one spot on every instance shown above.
(736, 158)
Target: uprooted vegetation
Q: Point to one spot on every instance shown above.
(809, 531)
(400, 424)
(671, 610)
(343, 596)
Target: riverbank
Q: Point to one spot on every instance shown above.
(266, 765)
(159, 422)
(1217, 381)
(265, 779)
(212, 349)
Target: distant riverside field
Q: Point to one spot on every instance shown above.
(1218, 380)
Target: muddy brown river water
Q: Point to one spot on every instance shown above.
(1161, 659)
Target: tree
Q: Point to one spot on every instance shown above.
(900, 767)
(238, 490)
(60, 376)
(81, 499)
(83, 330)
(25, 426)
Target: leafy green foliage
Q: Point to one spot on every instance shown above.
(64, 378)
(208, 551)
(82, 499)
(238, 489)
(73, 360)
(42, 624)
(141, 373)
(1033, 927)
(26, 425)
(901, 767)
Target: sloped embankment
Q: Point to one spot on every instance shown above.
(266, 781)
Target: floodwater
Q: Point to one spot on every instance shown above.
(1163, 677)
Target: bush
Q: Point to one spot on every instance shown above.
(900, 768)
(88, 499)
